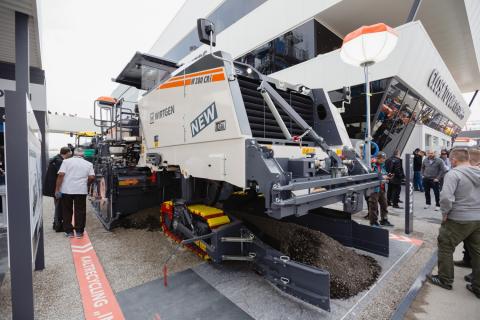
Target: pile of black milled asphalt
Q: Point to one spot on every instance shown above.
(145, 219)
(350, 272)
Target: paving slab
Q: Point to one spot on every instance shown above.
(186, 296)
(433, 302)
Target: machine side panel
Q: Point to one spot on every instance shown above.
(191, 108)
(222, 160)
(328, 121)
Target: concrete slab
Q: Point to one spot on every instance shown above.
(187, 296)
(433, 302)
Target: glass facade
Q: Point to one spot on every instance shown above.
(395, 111)
(229, 12)
(298, 45)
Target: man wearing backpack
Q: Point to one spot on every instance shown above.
(49, 184)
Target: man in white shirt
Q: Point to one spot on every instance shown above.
(73, 179)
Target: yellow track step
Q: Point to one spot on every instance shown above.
(218, 221)
(204, 211)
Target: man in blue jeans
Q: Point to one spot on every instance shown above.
(417, 170)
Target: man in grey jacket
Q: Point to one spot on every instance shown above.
(460, 206)
(433, 169)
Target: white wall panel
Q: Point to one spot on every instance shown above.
(37, 92)
(183, 22)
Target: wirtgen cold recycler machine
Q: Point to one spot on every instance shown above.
(211, 128)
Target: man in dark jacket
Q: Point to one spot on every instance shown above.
(50, 181)
(433, 169)
(417, 170)
(394, 168)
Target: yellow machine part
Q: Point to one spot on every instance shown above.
(203, 210)
(86, 134)
(213, 216)
(218, 221)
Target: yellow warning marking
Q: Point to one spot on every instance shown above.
(308, 150)
(218, 221)
(201, 245)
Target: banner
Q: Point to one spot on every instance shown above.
(34, 176)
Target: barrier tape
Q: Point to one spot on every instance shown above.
(99, 302)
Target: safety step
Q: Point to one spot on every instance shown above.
(218, 221)
(204, 211)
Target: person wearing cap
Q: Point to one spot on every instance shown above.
(378, 196)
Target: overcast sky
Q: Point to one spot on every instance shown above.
(85, 43)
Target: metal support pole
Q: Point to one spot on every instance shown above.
(17, 182)
(368, 146)
(413, 10)
(409, 194)
(276, 114)
(473, 98)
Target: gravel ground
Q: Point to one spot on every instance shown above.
(130, 257)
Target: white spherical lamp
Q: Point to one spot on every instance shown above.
(368, 44)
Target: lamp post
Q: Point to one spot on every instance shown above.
(363, 48)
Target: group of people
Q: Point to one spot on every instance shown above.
(454, 178)
(67, 179)
(388, 193)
